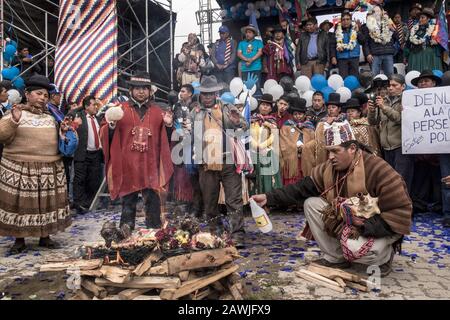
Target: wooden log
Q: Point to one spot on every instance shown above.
(130, 294)
(320, 277)
(75, 264)
(96, 290)
(356, 286)
(115, 274)
(91, 273)
(226, 296)
(200, 295)
(145, 265)
(235, 292)
(183, 275)
(340, 281)
(195, 260)
(80, 295)
(167, 294)
(108, 298)
(332, 273)
(147, 298)
(218, 287)
(144, 283)
(319, 282)
(199, 283)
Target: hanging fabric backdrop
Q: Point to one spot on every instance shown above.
(86, 54)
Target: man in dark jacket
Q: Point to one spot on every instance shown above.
(223, 55)
(89, 157)
(379, 46)
(312, 53)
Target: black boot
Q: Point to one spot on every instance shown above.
(48, 243)
(18, 247)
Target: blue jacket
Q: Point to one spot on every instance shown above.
(68, 146)
(346, 54)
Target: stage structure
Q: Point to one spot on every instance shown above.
(145, 36)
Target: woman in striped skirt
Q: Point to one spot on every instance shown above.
(33, 199)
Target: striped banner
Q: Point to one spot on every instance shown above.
(86, 54)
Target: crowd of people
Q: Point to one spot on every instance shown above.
(206, 151)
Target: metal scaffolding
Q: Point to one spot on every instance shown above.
(132, 26)
(206, 17)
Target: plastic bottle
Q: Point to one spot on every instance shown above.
(261, 218)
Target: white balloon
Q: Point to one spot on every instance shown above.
(257, 14)
(251, 6)
(269, 84)
(14, 97)
(267, 8)
(233, 9)
(410, 76)
(381, 77)
(242, 98)
(236, 86)
(248, 12)
(276, 91)
(288, 5)
(339, 3)
(308, 95)
(335, 81)
(303, 84)
(253, 104)
(345, 94)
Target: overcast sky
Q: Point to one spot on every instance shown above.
(187, 22)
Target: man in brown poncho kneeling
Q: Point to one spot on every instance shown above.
(356, 206)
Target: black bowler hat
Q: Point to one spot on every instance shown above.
(297, 105)
(37, 82)
(267, 98)
(352, 103)
(334, 99)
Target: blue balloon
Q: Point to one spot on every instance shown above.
(326, 92)
(331, 2)
(9, 52)
(228, 98)
(195, 84)
(10, 73)
(318, 82)
(19, 83)
(438, 73)
(351, 82)
(409, 88)
(13, 43)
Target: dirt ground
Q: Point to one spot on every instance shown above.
(267, 266)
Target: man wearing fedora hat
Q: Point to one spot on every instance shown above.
(277, 60)
(294, 134)
(250, 54)
(426, 190)
(213, 126)
(137, 153)
(350, 176)
(223, 55)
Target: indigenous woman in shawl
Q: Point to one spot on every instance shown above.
(293, 135)
(33, 193)
(364, 133)
(314, 152)
(424, 52)
(264, 147)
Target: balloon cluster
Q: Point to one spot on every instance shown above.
(267, 8)
(335, 83)
(12, 73)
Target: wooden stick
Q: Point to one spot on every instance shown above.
(340, 282)
(200, 295)
(197, 284)
(96, 290)
(322, 283)
(130, 294)
(183, 275)
(147, 298)
(356, 286)
(331, 273)
(115, 274)
(76, 264)
(319, 277)
(142, 268)
(143, 283)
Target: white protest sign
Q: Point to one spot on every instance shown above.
(426, 121)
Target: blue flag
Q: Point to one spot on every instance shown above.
(247, 110)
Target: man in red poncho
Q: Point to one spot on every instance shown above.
(137, 153)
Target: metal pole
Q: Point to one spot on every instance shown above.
(171, 46)
(1, 37)
(147, 64)
(46, 44)
(131, 41)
